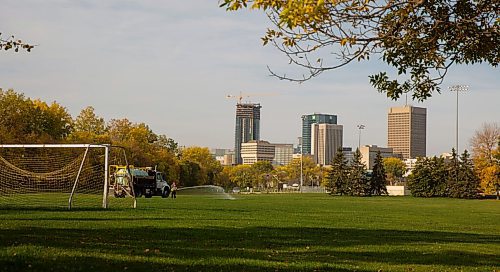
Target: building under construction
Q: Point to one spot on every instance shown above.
(247, 127)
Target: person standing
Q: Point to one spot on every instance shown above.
(174, 190)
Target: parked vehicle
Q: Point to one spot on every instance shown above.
(145, 180)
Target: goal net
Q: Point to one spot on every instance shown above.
(62, 176)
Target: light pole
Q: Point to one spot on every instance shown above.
(457, 89)
(301, 166)
(360, 127)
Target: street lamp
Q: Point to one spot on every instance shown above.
(457, 89)
(360, 127)
(301, 166)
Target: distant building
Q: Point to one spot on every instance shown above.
(307, 121)
(283, 154)
(247, 127)
(297, 149)
(326, 139)
(223, 155)
(369, 152)
(216, 152)
(254, 151)
(228, 159)
(348, 154)
(407, 131)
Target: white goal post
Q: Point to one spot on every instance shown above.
(53, 172)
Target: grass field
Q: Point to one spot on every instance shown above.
(292, 232)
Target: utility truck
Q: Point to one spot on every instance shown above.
(144, 180)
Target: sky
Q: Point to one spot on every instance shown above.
(171, 63)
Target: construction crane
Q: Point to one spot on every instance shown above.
(247, 95)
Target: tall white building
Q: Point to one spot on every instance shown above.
(326, 139)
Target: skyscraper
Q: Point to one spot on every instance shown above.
(247, 127)
(326, 139)
(307, 121)
(407, 131)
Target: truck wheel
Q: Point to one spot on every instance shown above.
(148, 195)
(138, 193)
(166, 192)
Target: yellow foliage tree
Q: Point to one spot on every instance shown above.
(485, 148)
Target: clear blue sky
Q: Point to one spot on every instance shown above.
(171, 63)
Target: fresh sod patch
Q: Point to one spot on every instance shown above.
(286, 232)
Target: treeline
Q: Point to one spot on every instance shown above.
(26, 120)
(456, 177)
(263, 176)
(444, 178)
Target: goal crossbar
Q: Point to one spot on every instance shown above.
(53, 145)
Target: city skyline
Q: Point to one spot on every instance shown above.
(167, 64)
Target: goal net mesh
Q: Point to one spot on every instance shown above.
(42, 177)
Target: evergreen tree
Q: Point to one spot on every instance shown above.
(338, 175)
(438, 176)
(429, 178)
(419, 182)
(453, 169)
(378, 180)
(467, 184)
(358, 183)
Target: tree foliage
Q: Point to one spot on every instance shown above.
(11, 43)
(353, 179)
(428, 179)
(395, 169)
(434, 177)
(420, 39)
(378, 179)
(89, 128)
(209, 167)
(338, 175)
(485, 150)
(23, 120)
(466, 182)
(359, 184)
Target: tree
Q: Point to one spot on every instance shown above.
(89, 128)
(190, 174)
(338, 175)
(262, 174)
(378, 179)
(167, 143)
(395, 169)
(420, 39)
(428, 179)
(453, 178)
(241, 175)
(485, 150)
(358, 184)
(467, 183)
(209, 166)
(309, 170)
(484, 142)
(12, 43)
(23, 120)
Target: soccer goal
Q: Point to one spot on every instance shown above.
(62, 175)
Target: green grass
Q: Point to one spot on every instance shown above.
(292, 232)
